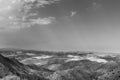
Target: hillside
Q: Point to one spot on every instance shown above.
(45, 65)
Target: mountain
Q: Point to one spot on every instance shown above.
(20, 64)
(14, 67)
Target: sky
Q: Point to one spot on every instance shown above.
(60, 25)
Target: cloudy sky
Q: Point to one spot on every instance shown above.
(87, 25)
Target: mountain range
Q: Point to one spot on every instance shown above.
(49, 65)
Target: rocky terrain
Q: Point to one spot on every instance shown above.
(19, 64)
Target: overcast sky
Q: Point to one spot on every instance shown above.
(87, 25)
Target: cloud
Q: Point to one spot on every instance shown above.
(21, 14)
(42, 2)
(42, 21)
(29, 4)
(96, 5)
(73, 13)
(20, 25)
(45, 2)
